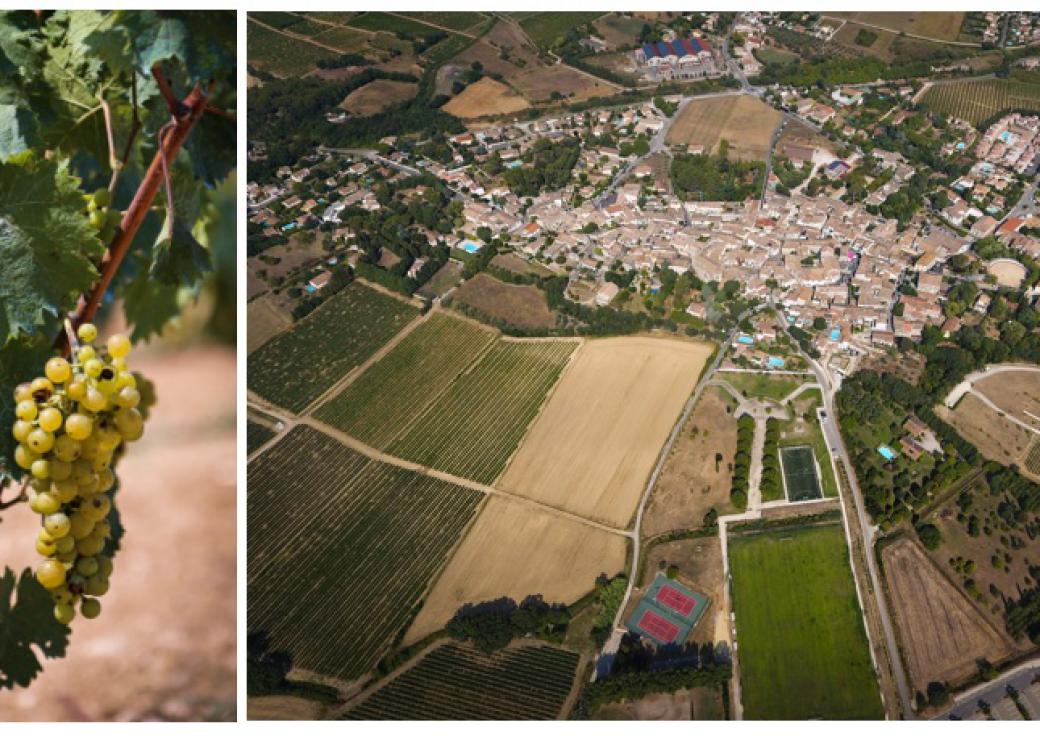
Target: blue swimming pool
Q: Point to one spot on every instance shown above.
(886, 452)
(835, 335)
(745, 339)
(776, 362)
(469, 246)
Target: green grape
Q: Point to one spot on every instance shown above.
(57, 525)
(104, 566)
(64, 613)
(40, 441)
(102, 198)
(41, 470)
(20, 430)
(50, 419)
(51, 574)
(118, 345)
(23, 392)
(46, 504)
(66, 448)
(57, 370)
(59, 469)
(79, 426)
(45, 548)
(90, 608)
(24, 456)
(97, 219)
(26, 410)
(87, 566)
(90, 545)
(65, 544)
(97, 585)
(81, 525)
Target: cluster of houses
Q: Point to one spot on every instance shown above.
(1013, 143)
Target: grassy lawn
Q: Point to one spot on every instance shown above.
(765, 385)
(773, 55)
(802, 647)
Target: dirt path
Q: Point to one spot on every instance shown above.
(294, 36)
(432, 25)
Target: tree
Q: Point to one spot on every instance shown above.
(103, 111)
(929, 535)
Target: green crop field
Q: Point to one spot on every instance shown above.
(276, 19)
(341, 549)
(392, 24)
(378, 406)
(1033, 458)
(280, 55)
(976, 101)
(457, 21)
(457, 682)
(256, 436)
(801, 642)
(547, 28)
(474, 427)
(298, 365)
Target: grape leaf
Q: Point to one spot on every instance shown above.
(19, 46)
(19, 360)
(179, 259)
(46, 244)
(18, 130)
(149, 305)
(29, 621)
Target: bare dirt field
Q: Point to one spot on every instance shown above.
(941, 632)
(264, 319)
(377, 96)
(940, 26)
(539, 84)
(688, 704)
(1017, 392)
(700, 565)
(742, 120)
(255, 285)
(262, 708)
(691, 483)
(517, 264)
(303, 248)
(619, 31)
(514, 550)
(521, 305)
(485, 97)
(598, 436)
(1009, 273)
(996, 437)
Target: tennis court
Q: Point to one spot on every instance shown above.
(799, 470)
(667, 612)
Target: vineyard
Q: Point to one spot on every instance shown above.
(976, 101)
(378, 406)
(1033, 458)
(341, 549)
(457, 682)
(474, 427)
(297, 366)
(256, 436)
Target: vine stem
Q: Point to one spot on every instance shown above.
(187, 114)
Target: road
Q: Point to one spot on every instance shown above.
(958, 391)
(372, 155)
(832, 434)
(1027, 205)
(995, 691)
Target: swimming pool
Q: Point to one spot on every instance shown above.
(835, 335)
(514, 164)
(469, 246)
(776, 362)
(745, 339)
(886, 452)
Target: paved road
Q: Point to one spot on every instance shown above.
(994, 692)
(373, 155)
(832, 434)
(1027, 205)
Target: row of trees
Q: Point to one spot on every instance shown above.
(738, 490)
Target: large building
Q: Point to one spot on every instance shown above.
(681, 58)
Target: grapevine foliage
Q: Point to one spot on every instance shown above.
(85, 99)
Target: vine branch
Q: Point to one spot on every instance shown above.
(186, 114)
(135, 127)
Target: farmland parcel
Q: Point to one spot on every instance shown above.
(593, 446)
(458, 682)
(801, 642)
(378, 406)
(340, 545)
(515, 549)
(476, 424)
(298, 365)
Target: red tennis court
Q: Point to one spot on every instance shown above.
(658, 627)
(675, 600)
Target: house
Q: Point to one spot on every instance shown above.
(417, 266)
(319, 281)
(847, 96)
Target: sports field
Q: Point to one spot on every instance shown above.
(801, 643)
(478, 421)
(341, 548)
(379, 405)
(298, 365)
(458, 682)
(593, 446)
(667, 612)
(744, 121)
(515, 549)
(799, 471)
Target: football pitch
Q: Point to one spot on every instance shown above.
(799, 468)
(801, 644)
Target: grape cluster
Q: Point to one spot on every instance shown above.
(102, 218)
(71, 424)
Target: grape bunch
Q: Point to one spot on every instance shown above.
(72, 424)
(101, 217)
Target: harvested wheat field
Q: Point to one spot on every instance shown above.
(485, 97)
(692, 482)
(598, 436)
(540, 83)
(1015, 391)
(515, 549)
(377, 96)
(997, 437)
(941, 633)
(744, 121)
